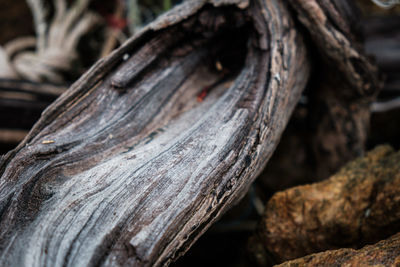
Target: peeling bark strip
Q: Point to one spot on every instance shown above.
(127, 167)
(333, 26)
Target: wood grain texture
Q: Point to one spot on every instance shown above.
(127, 168)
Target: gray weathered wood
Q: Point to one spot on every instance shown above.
(128, 167)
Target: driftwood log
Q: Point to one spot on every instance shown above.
(357, 206)
(148, 148)
(128, 167)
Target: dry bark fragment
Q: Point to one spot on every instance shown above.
(357, 206)
(384, 253)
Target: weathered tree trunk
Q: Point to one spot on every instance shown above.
(128, 167)
(133, 163)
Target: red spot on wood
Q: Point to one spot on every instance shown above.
(202, 94)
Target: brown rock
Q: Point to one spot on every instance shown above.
(384, 253)
(357, 206)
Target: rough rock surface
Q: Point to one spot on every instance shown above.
(384, 253)
(359, 205)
